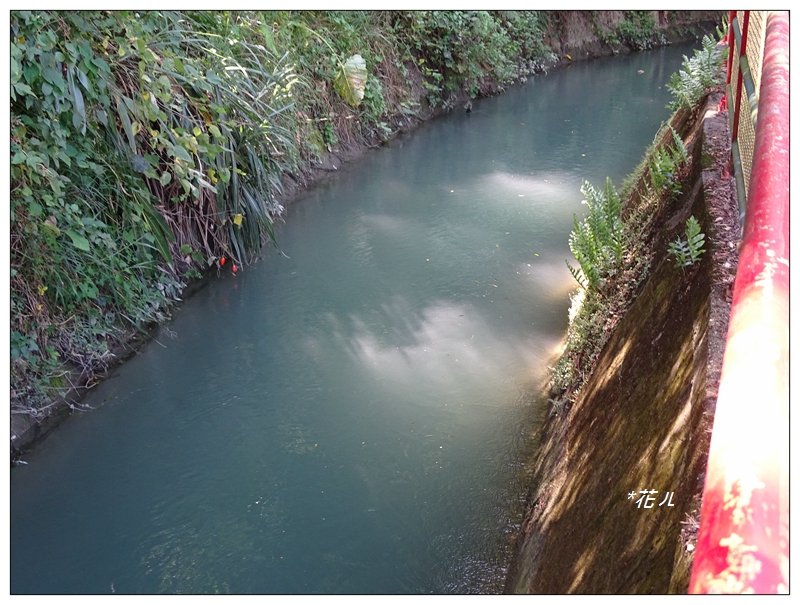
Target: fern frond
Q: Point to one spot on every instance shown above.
(597, 242)
(692, 227)
(699, 73)
(682, 152)
(577, 275)
(613, 204)
(688, 252)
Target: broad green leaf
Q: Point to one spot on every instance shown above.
(166, 177)
(35, 210)
(181, 153)
(23, 89)
(351, 80)
(80, 242)
(51, 75)
(79, 119)
(82, 78)
(126, 123)
(31, 73)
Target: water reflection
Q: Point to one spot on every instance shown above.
(551, 272)
(442, 345)
(542, 187)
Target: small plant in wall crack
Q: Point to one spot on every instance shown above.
(687, 252)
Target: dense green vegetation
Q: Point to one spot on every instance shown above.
(637, 30)
(150, 147)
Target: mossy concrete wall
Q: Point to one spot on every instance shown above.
(642, 420)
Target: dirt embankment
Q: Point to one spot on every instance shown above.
(588, 34)
(642, 420)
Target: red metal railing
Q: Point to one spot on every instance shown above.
(743, 545)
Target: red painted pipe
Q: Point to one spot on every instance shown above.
(743, 545)
(730, 40)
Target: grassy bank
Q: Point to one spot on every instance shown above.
(150, 148)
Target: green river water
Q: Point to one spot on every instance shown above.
(352, 416)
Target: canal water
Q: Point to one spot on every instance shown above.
(349, 416)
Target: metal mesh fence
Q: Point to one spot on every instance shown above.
(755, 44)
(754, 51)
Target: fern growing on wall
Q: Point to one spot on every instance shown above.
(665, 163)
(697, 75)
(680, 152)
(687, 252)
(597, 242)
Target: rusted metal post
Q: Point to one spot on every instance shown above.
(743, 545)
